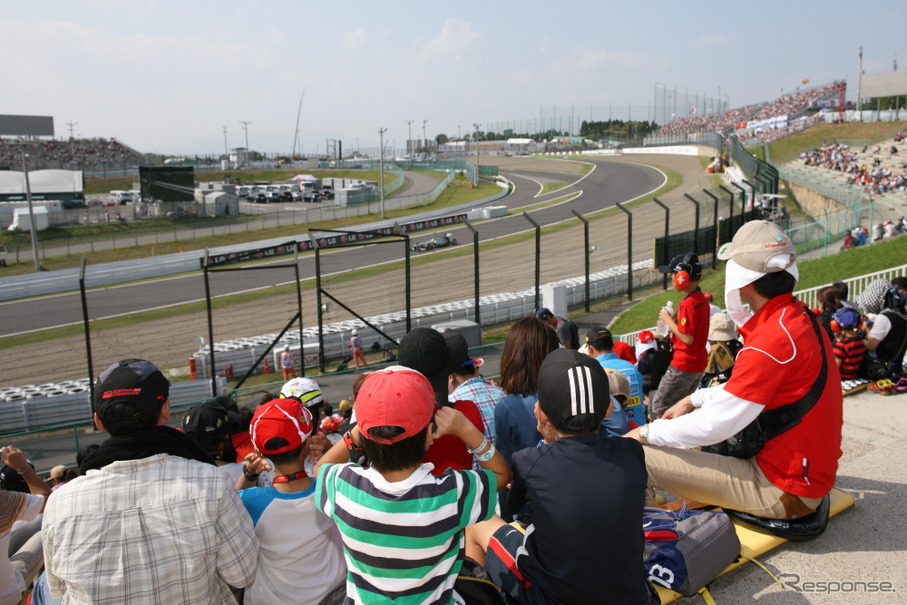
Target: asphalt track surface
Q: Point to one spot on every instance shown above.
(608, 183)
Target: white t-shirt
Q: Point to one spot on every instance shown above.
(301, 555)
(880, 328)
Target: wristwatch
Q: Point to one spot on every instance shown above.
(644, 434)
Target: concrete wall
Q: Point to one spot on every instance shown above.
(813, 203)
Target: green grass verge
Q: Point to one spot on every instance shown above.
(813, 273)
(858, 133)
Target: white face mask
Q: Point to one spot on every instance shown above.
(737, 276)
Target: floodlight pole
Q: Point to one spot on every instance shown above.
(245, 126)
(409, 141)
(31, 213)
(477, 126)
(424, 138)
(381, 132)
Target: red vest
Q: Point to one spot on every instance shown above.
(778, 365)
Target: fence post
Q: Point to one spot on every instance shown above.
(714, 228)
(742, 198)
(586, 253)
(664, 256)
(475, 268)
(752, 192)
(629, 250)
(730, 201)
(696, 234)
(538, 257)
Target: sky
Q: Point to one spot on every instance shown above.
(166, 77)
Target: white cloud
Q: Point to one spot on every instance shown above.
(355, 39)
(709, 40)
(455, 37)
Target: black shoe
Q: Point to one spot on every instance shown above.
(803, 529)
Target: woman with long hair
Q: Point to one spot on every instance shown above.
(528, 343)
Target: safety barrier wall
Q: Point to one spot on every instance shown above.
(28, 411)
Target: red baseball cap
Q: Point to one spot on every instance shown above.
(286, 418)
(395, 396)
(645, 336)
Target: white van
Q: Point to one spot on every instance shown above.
(118, 196)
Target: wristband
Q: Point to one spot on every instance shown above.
(249, 476)
(487, 455)
(475, 452)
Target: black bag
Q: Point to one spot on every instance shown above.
(475, 586)
(771, 423)
(873, 369)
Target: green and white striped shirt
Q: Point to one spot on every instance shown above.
(403, 540)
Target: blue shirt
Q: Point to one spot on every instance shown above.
(515, 425)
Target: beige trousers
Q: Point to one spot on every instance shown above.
(723, 481)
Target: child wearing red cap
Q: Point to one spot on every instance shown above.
(300, 559)
(402, 527)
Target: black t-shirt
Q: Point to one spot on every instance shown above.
(894, 344)
(586, 541)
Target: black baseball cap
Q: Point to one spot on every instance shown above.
(570, 384)
(131, 381)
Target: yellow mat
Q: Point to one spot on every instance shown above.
(754, 543)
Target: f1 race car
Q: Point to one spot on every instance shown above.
(442, 241)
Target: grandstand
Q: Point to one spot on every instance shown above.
(765, 121)
(74, 154)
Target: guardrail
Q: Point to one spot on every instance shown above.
(31, 410)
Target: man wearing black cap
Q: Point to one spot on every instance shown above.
(427, 351)
(689, 335)
(150, 519)
(587, 492)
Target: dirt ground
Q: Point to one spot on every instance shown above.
(169, 343)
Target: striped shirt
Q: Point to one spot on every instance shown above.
(851, 352)
(403, 540)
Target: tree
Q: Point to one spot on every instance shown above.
(441, 139)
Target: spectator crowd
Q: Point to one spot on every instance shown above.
(68, 154)
(876, 171)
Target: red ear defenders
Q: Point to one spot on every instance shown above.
(683, 273)
(845, 318)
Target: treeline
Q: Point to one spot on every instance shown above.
(617, 128)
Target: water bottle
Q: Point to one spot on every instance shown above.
(661, 327)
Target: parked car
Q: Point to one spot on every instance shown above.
(442, 241)
(327, 194)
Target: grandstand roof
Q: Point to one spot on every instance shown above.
(41, 181)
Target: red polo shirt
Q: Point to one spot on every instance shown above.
(692, 318)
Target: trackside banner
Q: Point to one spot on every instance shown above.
(229, 258)
(328, 240)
